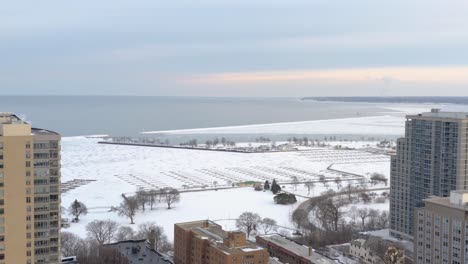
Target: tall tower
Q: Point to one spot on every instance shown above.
(431, 160)
(29, 192)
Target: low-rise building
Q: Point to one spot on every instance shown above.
(288, 251)
(136, 251)
(441, 229)
(205, 242)
(372, 250)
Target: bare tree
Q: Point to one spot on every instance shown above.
(373, 219)
(124, 233)
(363, 214)
(329, 213)
(268, 225)
(322, 179)
(215, 183)
(128, 207)
(102, 231)
(93, 253)
(76, 209)
(299, 216)
(152, 230)
(142, 198)
(365, 197)
(338, 182)
(295, 182)
(309, 185)
(170, 196)
(382, 221)
(248, 222)
(152, 198)
(71, 244)
(349, 190)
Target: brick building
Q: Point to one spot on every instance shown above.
(205, 242)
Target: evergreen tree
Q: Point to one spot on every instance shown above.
(275, 188)
(266, 186)
(76, 209)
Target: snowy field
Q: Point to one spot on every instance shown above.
(214, 205)
(382, 167)
(119, 169)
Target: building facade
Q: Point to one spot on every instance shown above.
(205, 242)
(29, 193)
(431, 160)
(441, 235)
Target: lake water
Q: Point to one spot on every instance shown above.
(122, 116)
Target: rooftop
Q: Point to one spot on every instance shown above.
(137, 251)
(10, 118)
(437, 113)
(210, 230)
(297, 249)
(7, 118)
(456, 200)
(40, 131)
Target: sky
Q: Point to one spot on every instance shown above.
(234, 48)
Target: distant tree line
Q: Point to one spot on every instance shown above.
(210, 143)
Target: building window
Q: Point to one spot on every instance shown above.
(28, 164)
(28, 145)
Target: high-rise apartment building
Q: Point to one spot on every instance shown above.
(29, 193)
(205, 242)
(432, 159)
(441, 231)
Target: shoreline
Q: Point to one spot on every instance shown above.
(190, 148)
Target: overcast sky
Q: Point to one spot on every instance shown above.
(234, 48)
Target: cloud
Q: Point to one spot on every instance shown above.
(449, 74)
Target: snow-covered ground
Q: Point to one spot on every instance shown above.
(123, 169)
(382, 167)
(214, 205)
